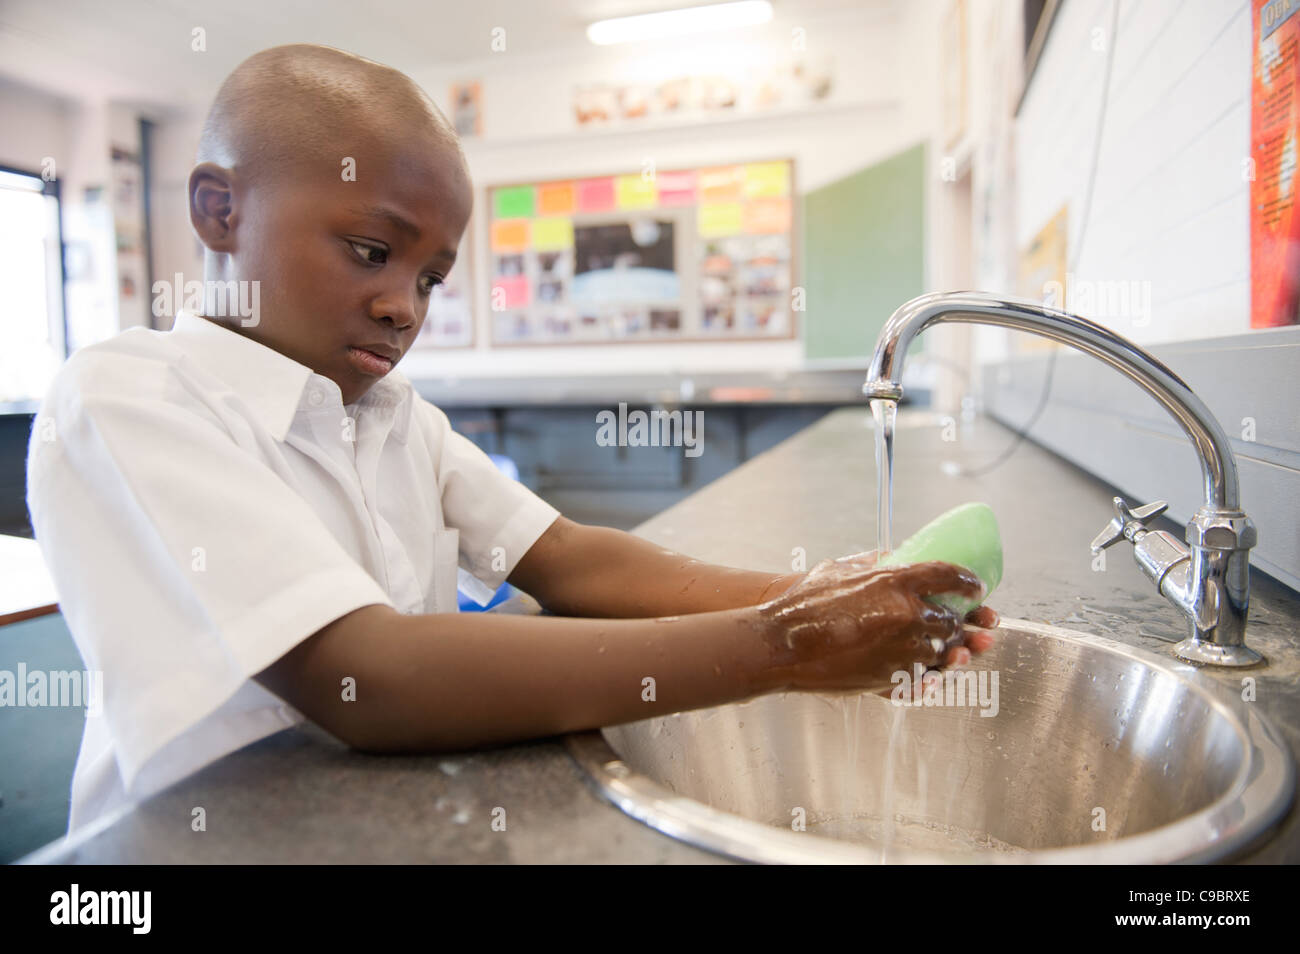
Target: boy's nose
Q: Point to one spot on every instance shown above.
(393, 309)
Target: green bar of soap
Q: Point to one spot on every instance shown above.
(967, 536)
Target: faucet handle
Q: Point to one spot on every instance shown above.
(1126, 521)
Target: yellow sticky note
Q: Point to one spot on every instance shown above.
(720, 220)
(635, 192)
(551, 234)
(767, 179)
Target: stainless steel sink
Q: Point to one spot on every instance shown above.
(1095, 752)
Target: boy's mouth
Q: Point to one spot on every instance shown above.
(370, 362)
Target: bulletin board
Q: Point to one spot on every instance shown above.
(659, 255)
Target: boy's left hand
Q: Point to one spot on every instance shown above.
(984, 618)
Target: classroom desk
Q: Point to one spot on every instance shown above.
(301, 797)
(26, 589)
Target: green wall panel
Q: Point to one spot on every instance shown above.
(863, 254)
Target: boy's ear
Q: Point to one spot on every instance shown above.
(212, 206)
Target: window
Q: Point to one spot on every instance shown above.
(32, 330)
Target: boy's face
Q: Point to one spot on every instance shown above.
(347, 266)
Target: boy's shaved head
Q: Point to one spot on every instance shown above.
(306, 103)
(334, 187)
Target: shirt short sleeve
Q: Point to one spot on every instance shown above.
(183, 562)
(499, 519)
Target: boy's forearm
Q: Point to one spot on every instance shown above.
(624, 576)
(456, 681)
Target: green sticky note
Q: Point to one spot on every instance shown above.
(515, 202)
(967, 536)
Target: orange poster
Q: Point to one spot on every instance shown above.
(1271, 168)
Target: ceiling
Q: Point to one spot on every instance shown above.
(139, 51)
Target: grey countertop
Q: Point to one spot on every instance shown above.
(302, 797)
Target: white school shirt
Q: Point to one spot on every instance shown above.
(205, 503)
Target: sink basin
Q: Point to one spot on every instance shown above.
(1084, 750)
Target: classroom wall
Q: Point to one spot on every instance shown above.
(33, 124)
(1171, 201)
(1170, 208)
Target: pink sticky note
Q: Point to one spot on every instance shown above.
(515, 290)
(596, 195)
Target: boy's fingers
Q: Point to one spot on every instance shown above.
(935, 577)
(985, 617)
(942, 630)
(979, 641)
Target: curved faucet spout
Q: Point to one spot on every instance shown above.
(884, 378)
(1209, 580)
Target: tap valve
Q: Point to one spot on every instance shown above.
(1127, 522)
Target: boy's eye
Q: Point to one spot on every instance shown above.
(366, 250)
(429, 282)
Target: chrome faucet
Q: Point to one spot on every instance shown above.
(1209, 579)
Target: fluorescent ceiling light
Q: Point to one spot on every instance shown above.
(655, 26)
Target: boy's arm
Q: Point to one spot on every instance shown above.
(461, 680)
(579, 570)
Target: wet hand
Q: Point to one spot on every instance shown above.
(848, 625)
(978, 637)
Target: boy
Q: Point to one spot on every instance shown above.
(253, 520)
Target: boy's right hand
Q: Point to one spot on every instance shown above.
(850, 625)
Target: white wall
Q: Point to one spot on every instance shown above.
(176, 249)
(970, 211)
(33, 125)
(1171, 202)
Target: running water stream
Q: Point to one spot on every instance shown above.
(885, 412)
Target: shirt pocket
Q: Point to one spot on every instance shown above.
(446, 563)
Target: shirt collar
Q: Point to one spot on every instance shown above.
(273, 384)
